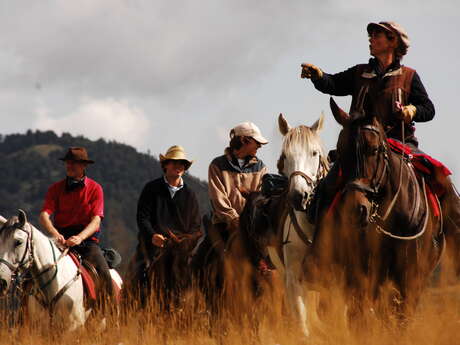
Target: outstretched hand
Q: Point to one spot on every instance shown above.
(310, 71)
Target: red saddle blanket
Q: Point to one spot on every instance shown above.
(422, 163)
(419, 160)
(88, 282)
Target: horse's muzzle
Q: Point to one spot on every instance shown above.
(298, 200)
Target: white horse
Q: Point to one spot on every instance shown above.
(57, 287)
(303, 161)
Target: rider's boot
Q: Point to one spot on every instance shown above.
(450, 205)
(324, 195)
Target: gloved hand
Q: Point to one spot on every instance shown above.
(310, 71)
(407, 113)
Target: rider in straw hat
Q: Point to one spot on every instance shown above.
(77, 206)
(167, 216)
(392, 92)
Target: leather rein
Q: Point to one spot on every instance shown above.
(374, 190)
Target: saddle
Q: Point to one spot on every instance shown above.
(424, 165)
(91, 280)
(89, 276)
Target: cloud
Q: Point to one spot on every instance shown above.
(96, 118)
(196, 69)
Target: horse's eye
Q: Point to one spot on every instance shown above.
(17, 243)
(315, 153)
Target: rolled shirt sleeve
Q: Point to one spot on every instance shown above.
(97, 202)
(49, 205)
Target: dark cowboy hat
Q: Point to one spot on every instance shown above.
(77, 154)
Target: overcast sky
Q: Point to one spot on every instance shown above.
(156, 73)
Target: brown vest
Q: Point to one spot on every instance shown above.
(374, 95)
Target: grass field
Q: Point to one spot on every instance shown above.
(437, 321)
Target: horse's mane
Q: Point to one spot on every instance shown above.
(305, 136)
(9, 226)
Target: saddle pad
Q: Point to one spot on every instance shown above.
(432, 199)
(88, 282)
(419, 160)
(117, 284)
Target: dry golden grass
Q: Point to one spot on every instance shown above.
(437, 321)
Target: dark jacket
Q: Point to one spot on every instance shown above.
(157, 212)
(380, 82)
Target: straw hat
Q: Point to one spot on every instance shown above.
(77, 154)
(248, 129)
(176, 153)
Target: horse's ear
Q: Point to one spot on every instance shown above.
(318, 125)
(283, 125)
(22, 217)
(340, 116)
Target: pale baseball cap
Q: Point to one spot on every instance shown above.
(248, 129)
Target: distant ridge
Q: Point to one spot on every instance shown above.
(29, 164)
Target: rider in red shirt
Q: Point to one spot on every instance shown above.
(76, 204)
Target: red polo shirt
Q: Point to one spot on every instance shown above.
(76, 207)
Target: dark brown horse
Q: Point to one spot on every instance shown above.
(382, 228)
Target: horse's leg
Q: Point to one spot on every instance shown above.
(69, 310)
(296, 302)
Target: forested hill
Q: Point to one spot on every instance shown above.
(29, 165)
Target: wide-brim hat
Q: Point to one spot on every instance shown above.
(176, 153)
(248, 129)
(392, 27)
(77, 154)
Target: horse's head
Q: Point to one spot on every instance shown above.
(363, 157)
(15, 249)
(302, 160)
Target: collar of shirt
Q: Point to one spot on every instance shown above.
(373, 62)
(173, 189)
(72, 183)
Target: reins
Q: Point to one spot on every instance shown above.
(375, 218)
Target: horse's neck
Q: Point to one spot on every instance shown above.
(407, 190)
(45, 251)
(302, 221)
(401, 174)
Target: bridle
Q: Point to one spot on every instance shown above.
(320, 173)
(374, 190)
(24, 268)
(27, 257)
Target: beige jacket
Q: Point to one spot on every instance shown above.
(228, 184)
